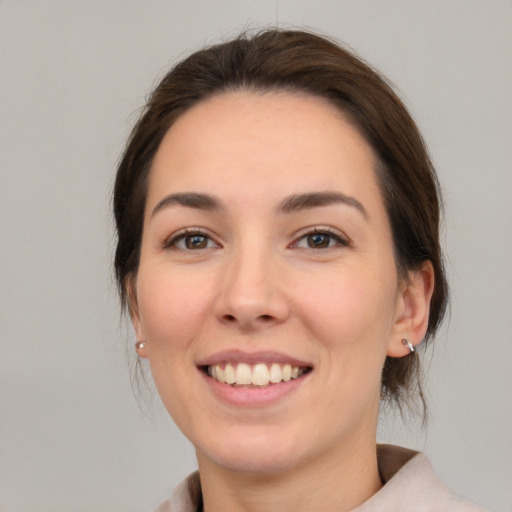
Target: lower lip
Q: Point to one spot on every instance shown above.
(253, 397)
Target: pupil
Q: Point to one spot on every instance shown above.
(318, 240)
(195, 242)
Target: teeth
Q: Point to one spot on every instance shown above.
(242, 374)
(287, 372)
(220, 373)
(229, 374)
(260, 376)
(276, 374)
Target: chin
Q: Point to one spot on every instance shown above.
(255, 463)
(254, 452)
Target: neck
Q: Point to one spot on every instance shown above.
(337, 481)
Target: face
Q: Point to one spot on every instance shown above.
(267, 261)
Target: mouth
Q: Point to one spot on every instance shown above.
(259, 375)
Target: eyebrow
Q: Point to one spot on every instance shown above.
(290, 204)
(190, 200)
(298, 202)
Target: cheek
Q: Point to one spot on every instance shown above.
(171, 306)
(349, 305)
(350, 315)
(172, 309)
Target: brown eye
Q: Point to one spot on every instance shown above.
(191, 241)
(196, 242)
(319, 240)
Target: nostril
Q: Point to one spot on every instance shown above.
(260, 319)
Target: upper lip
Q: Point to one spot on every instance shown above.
(239, 356)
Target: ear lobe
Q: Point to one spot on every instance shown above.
(414, 308)
(133, 309)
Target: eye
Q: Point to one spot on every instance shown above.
(191, 241)
(319, 239)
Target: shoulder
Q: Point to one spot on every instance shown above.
(186, 496)
(410, 483)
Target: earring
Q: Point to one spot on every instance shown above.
(409, 345)
(140, 344)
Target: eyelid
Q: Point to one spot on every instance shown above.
(341, 239)
(170, 241)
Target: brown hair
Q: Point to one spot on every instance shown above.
(297, 61)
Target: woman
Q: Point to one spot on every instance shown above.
(278, 251)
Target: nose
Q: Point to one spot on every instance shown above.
(251, 295)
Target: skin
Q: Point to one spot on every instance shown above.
(257, 284)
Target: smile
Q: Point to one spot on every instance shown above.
(255, 375)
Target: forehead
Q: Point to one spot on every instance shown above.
(241, 141)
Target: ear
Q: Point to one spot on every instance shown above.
(133, 309)
(412, 310)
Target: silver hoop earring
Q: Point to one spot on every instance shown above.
(140, 344)
(409, 345)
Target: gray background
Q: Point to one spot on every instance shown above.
(72, 76)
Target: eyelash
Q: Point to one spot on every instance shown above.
(183, 235)
(338, 239)
(173, 241)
